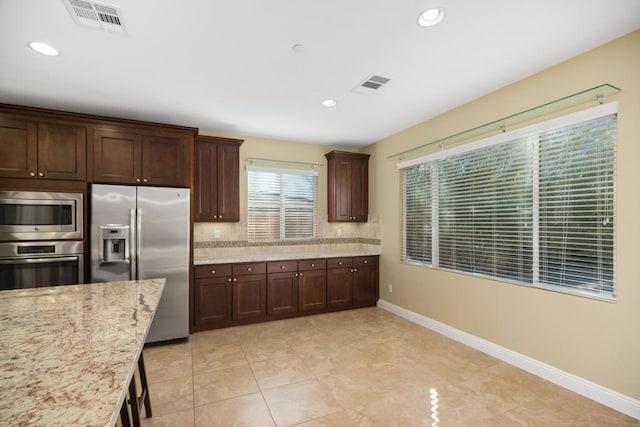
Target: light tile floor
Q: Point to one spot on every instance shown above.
(363, 367)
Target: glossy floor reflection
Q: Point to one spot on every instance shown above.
(363, 367)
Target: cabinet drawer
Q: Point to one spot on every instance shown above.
(312, 264)
(363, 261)
(282, 266)
(212, 270)
(340, 262)
(249, 268)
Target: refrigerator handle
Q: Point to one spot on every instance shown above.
(133, 265)
(138, 239)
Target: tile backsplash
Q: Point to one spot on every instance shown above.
(228, 240)
(237, 231)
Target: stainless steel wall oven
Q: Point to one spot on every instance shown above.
(36, 264)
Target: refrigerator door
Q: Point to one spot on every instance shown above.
(111, 208)
(163, 251)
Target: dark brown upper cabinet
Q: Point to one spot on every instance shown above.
(37, 149)
(133, 157)
(217, 179)
(348, 191)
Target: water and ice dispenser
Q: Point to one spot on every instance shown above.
(114, 244)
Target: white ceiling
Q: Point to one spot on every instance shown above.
(229, 67)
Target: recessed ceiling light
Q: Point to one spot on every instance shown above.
(430, 17)
(298, 48)
(44, 48)
(329, 102)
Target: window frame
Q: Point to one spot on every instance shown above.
(532, 133)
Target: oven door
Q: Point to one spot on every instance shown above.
(38, 272)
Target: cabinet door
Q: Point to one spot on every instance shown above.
(228, 186)
(365, 285)
(212, 302)
(312, 290)
(342, 187)
(359, 190)
(18, 148)
(62, 152)
(282, 293)
(249, 296)
(206, 182)
(339, 287)
(164, 160)
(117, 157)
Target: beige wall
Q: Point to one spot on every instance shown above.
(595, 340)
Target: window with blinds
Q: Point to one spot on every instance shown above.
(535, 206)
(281, 204)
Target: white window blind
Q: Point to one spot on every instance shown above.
(281, 204)
(535, 207)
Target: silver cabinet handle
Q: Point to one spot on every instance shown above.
(144, 179)
(32, 174)
(300, 274)
(229, 279)
(248, 268)
(282, 267)
(137, 179)
(366, 262)
(339, 262)
(213, 272)
(355, 269)
(235, 280)
(220, 217)
(313, 265)
(40, 174)
(215, 217)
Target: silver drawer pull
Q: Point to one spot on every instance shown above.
(339, 262)
(248, 268)
(213, 272)
(313, 265)
(366, 262)
(282, 267)
(229, 279)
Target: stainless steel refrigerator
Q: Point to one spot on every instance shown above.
(143, 233)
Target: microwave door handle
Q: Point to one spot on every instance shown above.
(130, 253)
(43, 260)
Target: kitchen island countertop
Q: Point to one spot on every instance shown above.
(67, 353)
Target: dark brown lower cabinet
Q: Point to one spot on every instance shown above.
(213, 302)
(249, 296)
(365, 281)
(234, 294)
(312, 290)
(282, 293)
(339, 287)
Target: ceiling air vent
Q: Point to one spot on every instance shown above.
(99, 16)
(371, 84)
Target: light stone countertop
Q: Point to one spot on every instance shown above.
(67, 353)
(278, 257)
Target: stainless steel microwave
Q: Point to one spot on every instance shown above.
(28, 215)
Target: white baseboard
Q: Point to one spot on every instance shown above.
(593, 391)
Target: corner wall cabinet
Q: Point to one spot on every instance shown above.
(235, 294)
(348, 186)
(30, 148)
(217, 179)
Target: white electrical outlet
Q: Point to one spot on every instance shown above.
(216, 233)
(390, 288)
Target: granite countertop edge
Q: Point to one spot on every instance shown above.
(278, 257)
